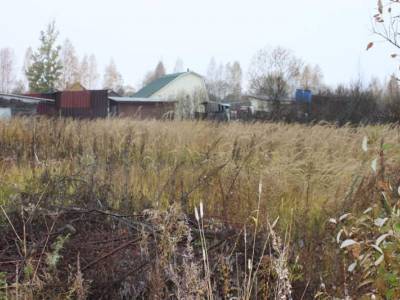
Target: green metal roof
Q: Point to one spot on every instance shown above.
(156, 85)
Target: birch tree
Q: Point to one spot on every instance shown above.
(93, 74)
(179, 66)
(234, 74)
(26, 65)
(216, 82)
(112, 78)
(311, 78)
(84, 72)
(70, 64)
(88, 73)
(7, 70)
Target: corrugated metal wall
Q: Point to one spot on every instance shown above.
(99, 103)
(75, 99)
(47, 109)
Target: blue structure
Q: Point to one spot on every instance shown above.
(304, 96)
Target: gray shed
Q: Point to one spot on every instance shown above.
(17, 105)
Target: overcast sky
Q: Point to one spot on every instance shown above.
(138, 33)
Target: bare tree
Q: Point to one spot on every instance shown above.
(19, 87)
(93, 74)
(26, 65)
(112, 78)
(179, 66)
(156, 74)
(392, 99)
(387, 23)
(159, 71)
(7, 70)
(88, 73)
(149, 77)
(211, 78)
(129, 91)
(274, 73)
(84, 72)
(393, 89)
(216, 80)
(70, 65)
(311, 78)
(233, 74)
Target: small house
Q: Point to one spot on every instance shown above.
(179, 87)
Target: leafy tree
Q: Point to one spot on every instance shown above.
(45, 70)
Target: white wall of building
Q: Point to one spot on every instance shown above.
(5, 112)
(259, 105)
(189, 90)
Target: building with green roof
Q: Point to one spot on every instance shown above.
(187, 89)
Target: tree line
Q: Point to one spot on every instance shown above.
(273, 72)
(53, 66)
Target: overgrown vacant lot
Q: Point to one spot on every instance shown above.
(93, 177)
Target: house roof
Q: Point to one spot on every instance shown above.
(156, 85)
(24, 99)
(138, 100)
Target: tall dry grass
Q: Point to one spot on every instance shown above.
(308, 173)
(153, 163)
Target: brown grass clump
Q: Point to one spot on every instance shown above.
(72, 192)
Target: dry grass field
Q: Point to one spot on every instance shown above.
(268, 191)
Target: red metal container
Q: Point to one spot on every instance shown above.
(75, 99)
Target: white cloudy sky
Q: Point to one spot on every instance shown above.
(138, 33)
